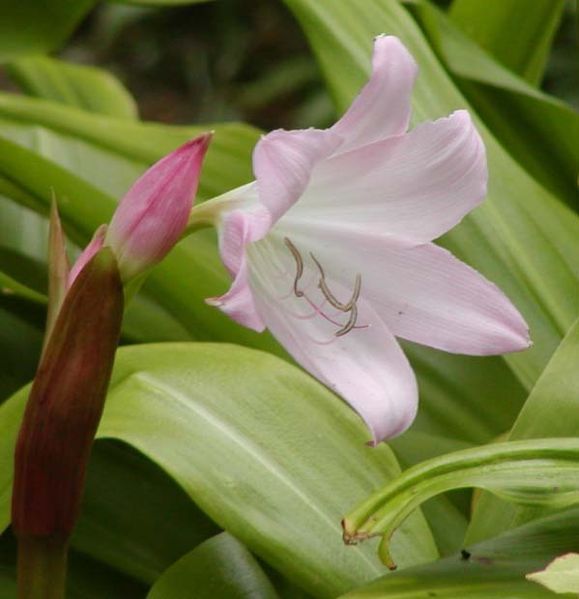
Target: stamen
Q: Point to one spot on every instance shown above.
(351, 306)
(299, 265)
(351, 322)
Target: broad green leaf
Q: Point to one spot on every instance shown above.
(518, 33)
(269, 454)
(539, 131)
(135, 518)
(76, 85)
(521, 237)
(32, 27)
(494, 569)
(561, 575)
(160, 3)
(219, 567)
(542, 472)
(552, 410)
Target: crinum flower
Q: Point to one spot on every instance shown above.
(331, 248)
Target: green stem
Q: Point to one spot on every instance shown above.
(41, 568)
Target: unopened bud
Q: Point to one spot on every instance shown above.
(66, 403)
(154, 213)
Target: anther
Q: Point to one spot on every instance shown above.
(299, 265)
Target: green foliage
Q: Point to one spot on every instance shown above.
(219, 567)
(203, 437)
(561, 575)
(494, 569)
(535, 23)
(31, 27)
(541, 473)
(85, 87)
(247, 435)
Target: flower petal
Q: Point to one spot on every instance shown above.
(236, 230)
(416, 186)
(423, 293)
(95, 244)
(365, 366)
(283, 162)
(383, 107)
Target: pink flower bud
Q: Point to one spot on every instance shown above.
(153, 214)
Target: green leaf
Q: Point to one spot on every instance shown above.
(219, 567)
(76, 85)
(135, 518)
(494, 569)
(160, 3)
(561, 575)
(248, 437)
(32, 27)
(551, 410)
(492, 24)
(538, 130)
(541, 472)
(521, 238)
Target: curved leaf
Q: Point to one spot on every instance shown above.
(543, 472)
(32, 27)
(267, 452)
(219, 567)
(494, 569)
(552, 410)
(491, 25)
(538, 130)
(76, 85)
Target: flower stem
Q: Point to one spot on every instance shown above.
(41, 568)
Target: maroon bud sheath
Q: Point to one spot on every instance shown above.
(66, 402)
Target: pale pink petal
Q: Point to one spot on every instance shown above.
(283, 162)
(416, 186)
(236, 230)
(95, 244)
(238, 302)
(422, 292)
(382, 108)
(365, 366)
(154, 212)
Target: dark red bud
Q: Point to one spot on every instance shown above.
(66, 403)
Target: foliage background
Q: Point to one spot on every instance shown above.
(222, 61)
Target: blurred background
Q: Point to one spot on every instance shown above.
(238, 60)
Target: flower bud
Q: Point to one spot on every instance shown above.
(66, 403)
(154, 213)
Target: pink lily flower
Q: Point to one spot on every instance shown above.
(153, 214)
(330, 248)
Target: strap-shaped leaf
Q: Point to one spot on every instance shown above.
(267, 452)
(550, 411)
(75, 85)
(494, 569)
(219, 567)
(543, 472)
(491, 24)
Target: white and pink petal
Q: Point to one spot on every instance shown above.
(382, 108)
(416, 186)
